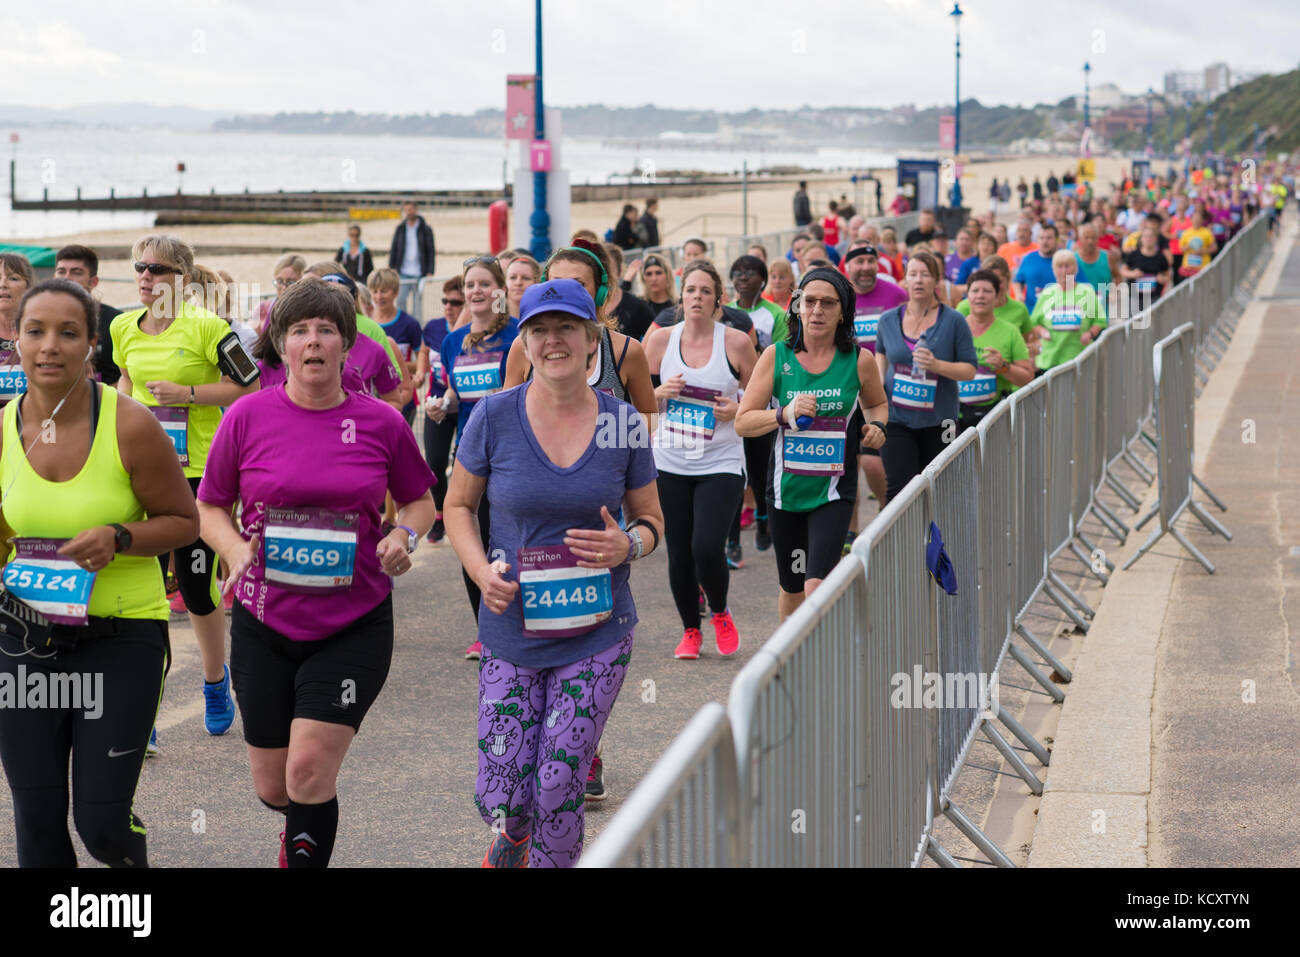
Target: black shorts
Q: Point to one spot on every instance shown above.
(335, 679)
(808, 544)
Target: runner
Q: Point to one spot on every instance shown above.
(872, 296)
(700, 364)
(780, 283)
(1198, 245)
(185, 364)
(1004, 363)
(403, 328)
(555, 650)
(367, 369)
(632, 313)
(16, 277)
(94, 508)
(922, 350)
(1146, 269)
(1068, 314)
(474, 357)
(81, 265)
(431, 374)
(522, 272)
(288, 270)
(819, 372)
(657, 284)
(311, 634)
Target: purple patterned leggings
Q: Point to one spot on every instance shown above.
(537, 731)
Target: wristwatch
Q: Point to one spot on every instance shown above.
(121, 538)
(412, 540)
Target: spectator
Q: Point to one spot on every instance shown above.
(1022, 190)
(880, 208)
(355, 257)
(923, 232)
(647, 231)
(81, 265)
(900, 206)
(832, 225)
(625, 231)
(413, 255)
(1053, 184)
(1038, 190)
(994, 193)
(802, 207)
(1004, 194)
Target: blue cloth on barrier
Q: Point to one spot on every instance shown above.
(938, 562)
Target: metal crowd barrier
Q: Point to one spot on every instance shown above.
(835, 762)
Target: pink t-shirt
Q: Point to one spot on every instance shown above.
(368, 369)
(270, 453)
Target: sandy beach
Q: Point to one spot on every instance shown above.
(462, 233)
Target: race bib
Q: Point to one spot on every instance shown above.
(979, 390)
(865, 325)
(560, 599)
(45, 581)
(1066, 320)
(692, 412)
(436, 374)
(1145, 283)
(175, 421)
(1218, 229)
(477, 375)
(1236, 218)
(1192, 261)
(817, 450)
(310, 549)
(913, 393)
(13, 380)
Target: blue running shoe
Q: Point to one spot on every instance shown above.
(219, 712)
(151, 749)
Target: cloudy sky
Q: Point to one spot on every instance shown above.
(412, 56)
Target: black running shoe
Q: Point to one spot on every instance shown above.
(762, 537)
(595, 784)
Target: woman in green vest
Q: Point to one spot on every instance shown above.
(92, 492)
(821, 381)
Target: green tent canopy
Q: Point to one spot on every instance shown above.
(41, 257)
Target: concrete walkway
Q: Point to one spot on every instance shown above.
(1173, 747)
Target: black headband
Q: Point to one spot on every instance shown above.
(857, 251)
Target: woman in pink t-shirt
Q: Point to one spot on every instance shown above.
(311, 634)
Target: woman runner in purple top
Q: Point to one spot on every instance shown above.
(311, 634)
(556, 459)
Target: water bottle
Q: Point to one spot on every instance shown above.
(917, 372)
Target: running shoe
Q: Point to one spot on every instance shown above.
(228, 601)
(689, 649)
(436, 533)
(735, 557)
(762, 537)
(151, 749)
(474, 652)
(171, 584)
(725, 634)
(746, 517)
(595, 781)
(704, 603)
(507, 853)
(177, 604)
(219, 709)
(284, 858)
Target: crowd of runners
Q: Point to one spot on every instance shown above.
(557, 423)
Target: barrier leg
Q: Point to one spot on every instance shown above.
(936, 853)
(1154, 443)
(1087, 562)
(1057, 664)
(1120, 489)
(1137, 465)
(1182, 540)
(1110, 519)
(1088, 544)
(1147, 517)
(1046, 682)
(1206, 489)
(1065, 606)
(976, 836)
(1011, 757)
(1024, 737)
(1208, 520)
(1070, 594)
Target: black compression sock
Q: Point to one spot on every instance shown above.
(283, 809)
(309, 833)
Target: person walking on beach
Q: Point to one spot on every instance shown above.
(412, 254)
(647, 227)
(625, 231)
(355, 257)
(802, 207)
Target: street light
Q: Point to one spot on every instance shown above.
(540, 220)
(955, 194)
(1150, 138)
(1087, 122)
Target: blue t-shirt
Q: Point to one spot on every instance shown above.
(968, 266)
(950, 341)
(452, 353)
(535, 503)
(1036, 273)
(405, 331)
(435, 330)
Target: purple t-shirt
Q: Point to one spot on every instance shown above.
(368, 370)
(882, 298)
(270, 453)
(534, 503)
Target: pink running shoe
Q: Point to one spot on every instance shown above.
(284, 858)
(475, 651)
(689, 649)
(725, 633)
(746, 517)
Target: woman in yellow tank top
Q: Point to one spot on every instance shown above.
(83, 615)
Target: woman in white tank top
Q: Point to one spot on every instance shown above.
(699, 367)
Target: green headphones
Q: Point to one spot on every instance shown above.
(602, 291)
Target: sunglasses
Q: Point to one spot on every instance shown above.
(453, 302)
(284, 283)
(155, 269)
(475, 260)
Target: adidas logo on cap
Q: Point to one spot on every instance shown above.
(550, 293)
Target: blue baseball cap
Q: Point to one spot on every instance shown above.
(557, 295)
